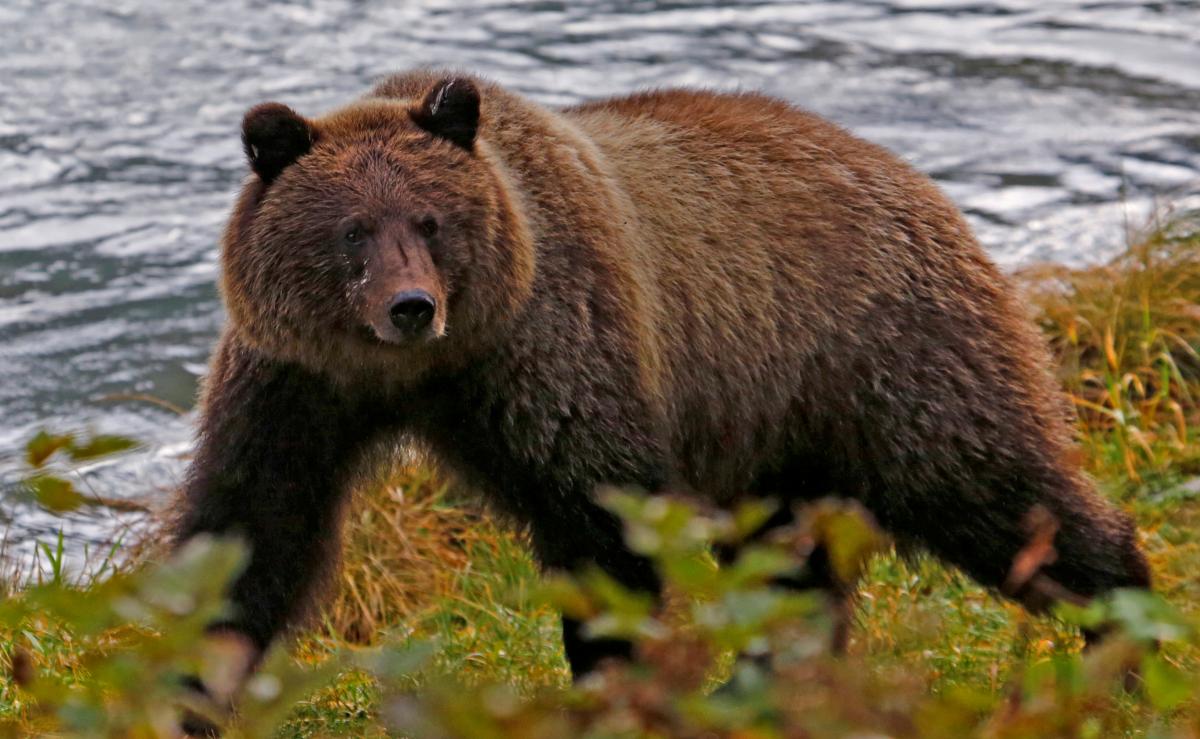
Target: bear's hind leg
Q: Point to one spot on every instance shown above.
(1096, 547)
(991, 533)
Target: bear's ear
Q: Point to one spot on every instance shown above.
(274, 137)
(451, 110)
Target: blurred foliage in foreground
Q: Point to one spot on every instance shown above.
(441, 625)
(135, 636)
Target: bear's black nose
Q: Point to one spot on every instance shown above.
(412, 311)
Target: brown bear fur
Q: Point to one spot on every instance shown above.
(676, 290)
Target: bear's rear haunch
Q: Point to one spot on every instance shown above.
(673, 291)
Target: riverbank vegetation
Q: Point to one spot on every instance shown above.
(439, 624)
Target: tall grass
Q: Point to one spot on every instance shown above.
(417, 563)
(1125, 335)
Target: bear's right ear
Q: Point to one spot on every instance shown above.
(451, 110)
(274, 137)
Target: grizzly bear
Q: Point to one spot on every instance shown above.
(719, 294)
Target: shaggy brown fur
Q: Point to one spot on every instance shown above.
(676, 290)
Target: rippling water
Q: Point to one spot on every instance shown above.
(1052, 124)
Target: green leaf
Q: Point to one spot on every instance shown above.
(1089, 616)
(394, 663)
(693, 575)
(54, 493)
(1166, 686)
(1148, 617)
(565, 594)
(750, 516)
(849, 537)
(195, 578)
(758, 566)
(99, 446)
(44, 444)
(272, 693)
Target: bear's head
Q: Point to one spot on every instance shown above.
(385, 233)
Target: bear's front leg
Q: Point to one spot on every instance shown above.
(277, 449)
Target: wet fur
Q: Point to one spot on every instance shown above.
(676, 290)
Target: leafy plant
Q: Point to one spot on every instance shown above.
(54, 491)
(792, 685)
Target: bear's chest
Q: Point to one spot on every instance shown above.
(521, 440)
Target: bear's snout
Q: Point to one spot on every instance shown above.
(412, 311)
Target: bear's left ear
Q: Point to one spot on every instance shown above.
(451, 110)
(274, 137)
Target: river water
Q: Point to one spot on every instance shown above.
(1054, 125)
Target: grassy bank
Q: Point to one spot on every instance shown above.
(930, 653)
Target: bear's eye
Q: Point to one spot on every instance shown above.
(428, 227)
(353, 235)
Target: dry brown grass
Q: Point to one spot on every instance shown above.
(404, 551)
(405, 548)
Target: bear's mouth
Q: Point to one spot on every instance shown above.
(367, 334)
(370, 335)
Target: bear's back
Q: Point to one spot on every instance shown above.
(785, 247)
(776, 277)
